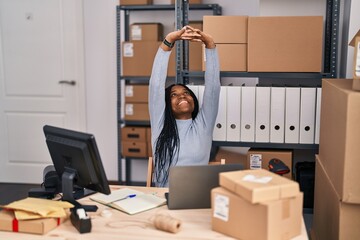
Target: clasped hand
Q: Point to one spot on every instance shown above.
(191, 34)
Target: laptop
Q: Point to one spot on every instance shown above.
(190, 186)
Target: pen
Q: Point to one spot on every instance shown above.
(128, 196)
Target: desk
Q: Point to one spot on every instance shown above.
(196, 224)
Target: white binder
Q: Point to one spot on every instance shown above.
(247, 117)
(277, 115)
(219, 133)
(262, 114)
(307, 115)
(233, 104)
(292, 114)
(317, 116)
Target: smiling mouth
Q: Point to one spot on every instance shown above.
(182, 102)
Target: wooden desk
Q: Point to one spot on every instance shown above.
(196, 224)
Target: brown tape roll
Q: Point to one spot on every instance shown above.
(167, 223)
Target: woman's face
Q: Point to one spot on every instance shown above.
(182, 104)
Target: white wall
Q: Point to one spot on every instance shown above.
(100, 49)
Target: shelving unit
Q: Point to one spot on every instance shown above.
(265, 78)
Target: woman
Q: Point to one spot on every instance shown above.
(181, 132)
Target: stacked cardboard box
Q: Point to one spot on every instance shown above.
(256, 204)
(260, 159)
(135, 141)
(136, 103)
(230, 36)
(135, 2)
(337, 194)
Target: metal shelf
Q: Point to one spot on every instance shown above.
(266, 145)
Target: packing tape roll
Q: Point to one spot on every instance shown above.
(167, 223)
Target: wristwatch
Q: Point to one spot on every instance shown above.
(169, 44)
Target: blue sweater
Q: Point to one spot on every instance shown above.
(195, 135)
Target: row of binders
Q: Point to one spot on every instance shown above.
(266, 114)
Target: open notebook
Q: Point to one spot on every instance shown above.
(129, 200)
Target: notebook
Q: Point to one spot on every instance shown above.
(129, 200)
(190, 186)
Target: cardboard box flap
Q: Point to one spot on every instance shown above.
(352, 42)
(258, 185)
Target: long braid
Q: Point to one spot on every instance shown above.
(168, 143)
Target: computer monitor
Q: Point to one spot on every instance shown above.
(77, 162)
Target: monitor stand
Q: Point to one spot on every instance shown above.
(67, 180)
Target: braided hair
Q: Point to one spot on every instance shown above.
(168, 143)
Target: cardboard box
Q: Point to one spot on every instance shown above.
(260, 158)
(333, 218)
(230, 157)
(259, 185)
(37, 226)
(285, 44)
(135, 2)
(134, 149)
(355, 42)
(234, 216)
(137, 112)
(227, 29)
(136, 93)
(138, 58)
(146, 32)
(134, 134)
(340, 137)
(232, 57)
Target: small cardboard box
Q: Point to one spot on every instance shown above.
(146, 32)
(218, 27)
(340, 136)
(285, 44)
(260, 158)
(232, 57)
(333, 218)
(134, 149)
(37, 226)
(138, 58)
(134, 134)
(355, 42)
(137, 112)
(258, 186)
(135, 2)
(136, 93)
(234, 216)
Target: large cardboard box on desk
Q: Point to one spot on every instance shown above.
(36, 226)
(248, 214)
(285, 44)
(138, 58)
(339, 144)
(259, 185)
(333, 217)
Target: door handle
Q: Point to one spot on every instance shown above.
(71, 82)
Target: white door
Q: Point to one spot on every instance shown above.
(41, 44)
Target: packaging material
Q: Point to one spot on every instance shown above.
(340, 137)
(137, 112)
(134, 149)
(285, 44)
(218, 27)
(138, 58)
(333, 218)
(355, 42)
(260, 159)
(234, 216)
(146, 32)
(134, 134)
(135, 2)
(37, 226)
(136, 93)
(258, 185)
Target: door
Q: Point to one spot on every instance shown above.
(41, 81)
